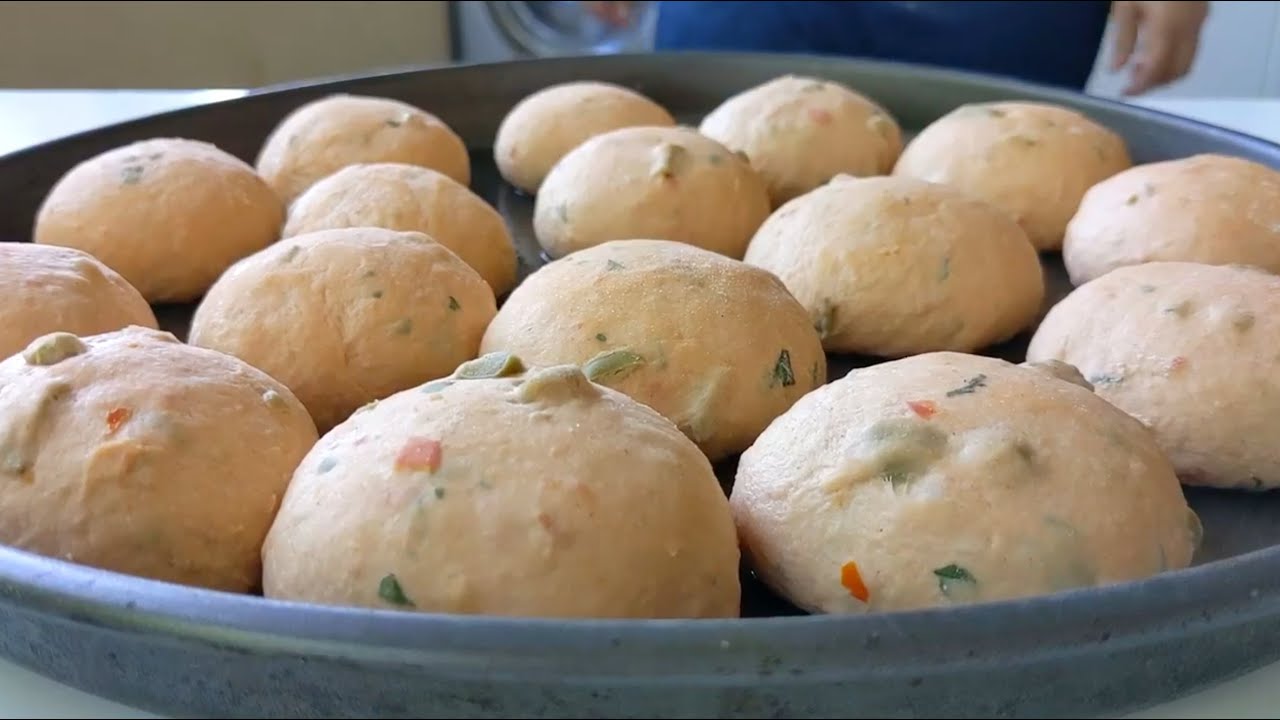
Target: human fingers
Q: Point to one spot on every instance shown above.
(1124, 17)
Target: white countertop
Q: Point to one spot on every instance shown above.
(30, 117)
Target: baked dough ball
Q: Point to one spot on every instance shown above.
(325, 135)
(168, 214)
(45, 289)
(411, 198)
(1032, 160)
(945, 479)
(546, 125)
(664, 183)
(1210, 209)
(895, 266)
(520, 494)
(132, 452)
(799, 132)
(1190, 350)
(717, 346)
(348, 316)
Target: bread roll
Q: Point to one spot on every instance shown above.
(946, 479)
(501, 492)
(168, 214)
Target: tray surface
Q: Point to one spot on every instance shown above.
(1086, 652)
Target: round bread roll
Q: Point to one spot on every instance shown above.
(799, 132)
(411, 198)
(895, 266)
(348, 316)
(131, 452)
(665, 183)
(1210, 209)
(325, 135)
(539, 494)
(945, 479)
(1190, 350)
(167, 214)
(717, 346)
(46, 289)
(546, 125)
(1032, 160)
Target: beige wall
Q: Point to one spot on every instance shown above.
(211, 44)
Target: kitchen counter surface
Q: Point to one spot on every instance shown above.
(31, 117)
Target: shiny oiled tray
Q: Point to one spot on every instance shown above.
(188, 652)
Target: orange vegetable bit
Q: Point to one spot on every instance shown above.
(420, 454)
(924, 408)
(851, 579)
(118, 417)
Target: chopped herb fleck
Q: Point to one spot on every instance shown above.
(944, 272)
(403, 326)
(1025, 141)
(782, 372)
(906, 448)
(612, 365)
(1025, 451)
(602, 337)
(970, 386)
(389, 589)
(369, 273)
(419, 454)
(1243, 322)
(53, 348)
(436, 386)
(996, 112)
(1146, 289)
(813, 374)
(394, 122)
(439, 493)
(118, 417)
(951, 576)
(131, 174)
(1181, 309)
(453, 303)
(326, 465)
(376, 294)
(1133, 200)
(1106, 379)
(613, 265)
(155, 156)
(291, 253)
(851, 579)
(826, 320)
(715, 158)
(562, 212)
(490, 365)
(668, 160)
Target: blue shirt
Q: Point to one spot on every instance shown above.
(1049, 42)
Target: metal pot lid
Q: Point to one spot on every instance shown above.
(556, 27)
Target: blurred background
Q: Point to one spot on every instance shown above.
(250, 44)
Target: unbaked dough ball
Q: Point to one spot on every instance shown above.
(348, 316)
(945, 479)
(1032, 160)
(717, 346)
(894, 266)
(799, 132)
(46, 289)
(546, 125)
(132, 452)
(1190, 350)
(325, 135)
(1210, 209)
(499, 492)
(411, 198)
(168, 214)
(664, 183)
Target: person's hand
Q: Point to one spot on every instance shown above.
(1158, 39)
(614, 14)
